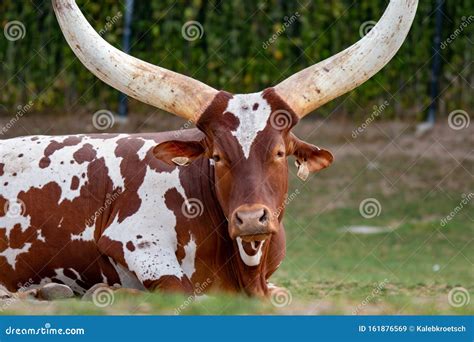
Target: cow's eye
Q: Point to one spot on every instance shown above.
(216, 158)
(280, 154)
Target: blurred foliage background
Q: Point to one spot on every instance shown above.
(231, 54)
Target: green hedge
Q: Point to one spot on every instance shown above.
(235, 52)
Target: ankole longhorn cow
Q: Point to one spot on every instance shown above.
(169, 211)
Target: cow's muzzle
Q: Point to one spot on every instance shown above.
(251, 223)
(251, 226)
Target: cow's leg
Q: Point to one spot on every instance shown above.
(171, 284)
(155, 266)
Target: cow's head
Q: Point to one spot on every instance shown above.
(248, 141)
(247, 137)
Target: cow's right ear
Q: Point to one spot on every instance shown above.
(177, 152)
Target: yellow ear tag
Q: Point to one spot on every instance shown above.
(303, 170)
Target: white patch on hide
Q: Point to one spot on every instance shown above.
(188, 262)
(11, 221)
(86, 235)
(147, 146)
(62, 165)
(21, 157)
(251, 121)
(11, 254)
(104, 278)
(40, 236)
(154, 255)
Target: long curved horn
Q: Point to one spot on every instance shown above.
(312, 87)
(167, 90)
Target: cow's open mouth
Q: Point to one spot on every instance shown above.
(250, 250)
(255, 237)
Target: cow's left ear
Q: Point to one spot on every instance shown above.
(309, 158)
(177, 152)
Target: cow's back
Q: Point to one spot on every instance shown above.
(58, 194)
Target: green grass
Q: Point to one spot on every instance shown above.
(328, 271)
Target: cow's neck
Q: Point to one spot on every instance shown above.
(235, 275)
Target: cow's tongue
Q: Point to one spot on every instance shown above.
(251, 248)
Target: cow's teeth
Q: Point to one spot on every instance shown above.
(250, 260)
(253, 244)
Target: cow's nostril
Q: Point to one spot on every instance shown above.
(238, 219)
(264, 217)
